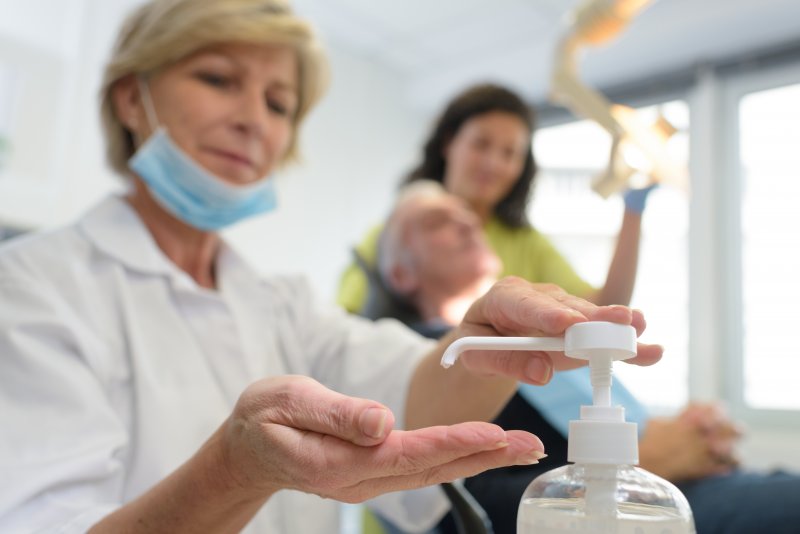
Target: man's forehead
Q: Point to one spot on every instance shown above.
(439, 204)
(416, 212)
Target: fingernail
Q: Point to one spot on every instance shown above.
(500, 444)
(538, 371)
(532, 457)
(373, 422)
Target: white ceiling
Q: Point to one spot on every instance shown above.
(440, 46)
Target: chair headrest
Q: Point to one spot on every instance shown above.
(381, 302)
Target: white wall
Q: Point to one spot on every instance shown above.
(39, 50)
(355, 144)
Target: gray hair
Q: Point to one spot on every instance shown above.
(391, 248)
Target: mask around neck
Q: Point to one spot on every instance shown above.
(187, 190)
(191, 193)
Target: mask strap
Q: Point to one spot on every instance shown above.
(147, 102)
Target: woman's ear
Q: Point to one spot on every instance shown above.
(126, 98)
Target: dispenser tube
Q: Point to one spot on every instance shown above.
(498, 343)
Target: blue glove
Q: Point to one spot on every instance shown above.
(635, 199)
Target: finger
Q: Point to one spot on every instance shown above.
(614, 313)
(730, 430)
(638, 321)
(700, 415)
(407, 452)
(721, 463)
(646, 354)
(720, 424)
(692, 412)
(303, 403)
(537, 367)
(523, 449)
(532, 367)
(516, 307)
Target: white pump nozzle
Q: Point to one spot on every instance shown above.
(583, 340)
(601, 436)
(601, 343)
(464, 344)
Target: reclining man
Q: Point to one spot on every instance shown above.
(434, 261)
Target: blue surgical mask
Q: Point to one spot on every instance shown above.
(188, 191)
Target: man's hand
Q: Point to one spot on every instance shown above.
(697, 443)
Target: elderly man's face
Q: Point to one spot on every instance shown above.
(446, 244)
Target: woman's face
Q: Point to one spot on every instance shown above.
(485, 158)
(230, 107)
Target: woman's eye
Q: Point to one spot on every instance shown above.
(215, 80)
(277, 107)
(480, 143)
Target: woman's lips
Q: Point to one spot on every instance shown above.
(484, 180)
(233, 157)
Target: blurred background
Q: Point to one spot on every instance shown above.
(719, 278)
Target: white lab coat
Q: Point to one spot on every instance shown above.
(115, 367)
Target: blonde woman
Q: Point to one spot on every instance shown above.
(150, 381)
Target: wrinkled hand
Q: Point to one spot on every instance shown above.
(291, 432)
(697, 443)
(515, 307)
(720, 431)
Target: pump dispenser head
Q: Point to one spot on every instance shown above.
(602, 436)
(601, 493)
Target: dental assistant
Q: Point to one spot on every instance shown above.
(151, 381)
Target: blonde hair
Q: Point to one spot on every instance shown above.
(162, 32)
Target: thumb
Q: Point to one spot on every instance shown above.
(305, 404)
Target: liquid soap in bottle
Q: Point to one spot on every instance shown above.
(602, 492)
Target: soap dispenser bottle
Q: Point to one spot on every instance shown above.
(601, 492)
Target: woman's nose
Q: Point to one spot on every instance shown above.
(493, 158)
(252, 113)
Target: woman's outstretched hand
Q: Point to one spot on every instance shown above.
(291, 432)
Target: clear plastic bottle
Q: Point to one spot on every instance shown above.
(602, 492)
(603, 499)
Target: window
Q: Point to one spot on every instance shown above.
(769, 131)
(583, 226)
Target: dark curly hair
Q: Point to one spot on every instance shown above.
(477, 100)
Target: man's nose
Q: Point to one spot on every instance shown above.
(468, 222)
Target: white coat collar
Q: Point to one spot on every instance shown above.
(114, 227)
